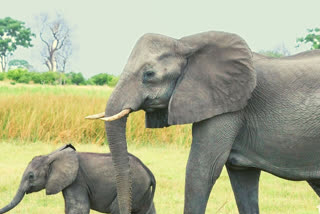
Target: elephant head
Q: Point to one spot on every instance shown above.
(52, 172)
(176, 82)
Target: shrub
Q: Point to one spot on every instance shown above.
(36, 77)
(49, 77)
(64, 79)
(16, 74)
(78, 79)
(113, 82)
(100, 79)
(22, 75)
(25, 78)
(89, 82)
(2, 75)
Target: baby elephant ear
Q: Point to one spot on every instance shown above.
(63, 170)
(218, 78)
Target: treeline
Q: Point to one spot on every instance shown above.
(22, 75)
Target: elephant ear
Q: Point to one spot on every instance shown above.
(63, 170)
(218, 78)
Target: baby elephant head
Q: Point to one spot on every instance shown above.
(52, 172)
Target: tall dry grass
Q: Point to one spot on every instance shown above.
(56, 114)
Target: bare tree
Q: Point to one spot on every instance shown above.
(56, 37)
(63, 56)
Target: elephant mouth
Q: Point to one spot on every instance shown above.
(153, 108)
(150, 106)
(30, 190)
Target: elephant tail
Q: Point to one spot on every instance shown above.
(148, 205)
(153, 184)
(151, 209)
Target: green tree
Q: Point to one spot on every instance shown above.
(77, 78)
(312, 37)
(19, 63)
(101, 79)
(13, 33)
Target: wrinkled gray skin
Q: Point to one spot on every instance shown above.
(86, 181)
(249, 112)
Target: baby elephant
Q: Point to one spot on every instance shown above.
(86, 181)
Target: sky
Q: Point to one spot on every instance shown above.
(104, 31)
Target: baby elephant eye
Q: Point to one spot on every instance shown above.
(31, 175)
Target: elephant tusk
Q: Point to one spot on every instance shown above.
(116, 116)
(95, 116)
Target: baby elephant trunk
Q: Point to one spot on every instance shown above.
(16, 200)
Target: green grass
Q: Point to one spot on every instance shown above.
(55, 114)
(167, 162)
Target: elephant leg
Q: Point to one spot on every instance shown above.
(245, 185)
(211, 145)
(151, 210)
(315, 184)
(76, 200)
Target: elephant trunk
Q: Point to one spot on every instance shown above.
(124, 99)
(116, 135)
(118, 146)
(16, 200)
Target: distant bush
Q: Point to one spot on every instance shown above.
(113, 82)
(36, 77)
(77, 79)
(22, 75)
(104, 79)
(49, 77)
(2, 76)
(18, 74)
(90, 82)
(64, 79)
(25, 78)
(100, 79)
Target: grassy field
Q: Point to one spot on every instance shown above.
(56, 114)
(53, 115)
(168, 165)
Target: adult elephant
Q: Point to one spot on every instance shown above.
(248, 111)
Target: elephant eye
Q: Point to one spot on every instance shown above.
(148, 75)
